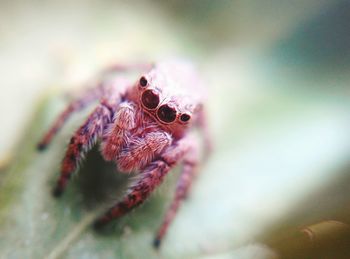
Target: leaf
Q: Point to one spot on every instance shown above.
(237, 195)
(35, 225)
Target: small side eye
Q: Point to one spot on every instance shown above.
(185, 117)
(143, 81)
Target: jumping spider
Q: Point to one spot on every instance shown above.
(144, 127)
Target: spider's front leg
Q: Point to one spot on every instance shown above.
(138, 192)
(81, 142)
(150, 178)
(78, 104)
(141, 151)
(188, 148)
(108, 92)
(116, 135)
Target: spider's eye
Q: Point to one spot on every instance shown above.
(150, 99)
(143, 81)
(185, 117)
(166, 114)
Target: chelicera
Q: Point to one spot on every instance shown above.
(145, 127)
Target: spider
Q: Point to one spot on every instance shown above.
(144, 127)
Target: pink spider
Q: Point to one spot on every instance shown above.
(144, 127)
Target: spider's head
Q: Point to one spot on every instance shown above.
(167, 109)
(168, 96)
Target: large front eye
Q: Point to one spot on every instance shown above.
(150, 99)
(166, 114)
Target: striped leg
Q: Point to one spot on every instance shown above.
(187, 149)
(88, 97)
(151, 177)
(182, 188)
(81, 142)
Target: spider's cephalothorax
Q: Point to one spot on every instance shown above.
(144, 127)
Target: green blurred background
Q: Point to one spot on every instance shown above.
(278, 80)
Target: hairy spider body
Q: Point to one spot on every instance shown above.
(144, 127)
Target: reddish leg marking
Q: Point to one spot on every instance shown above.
(151, 177)
(91, 95)
(81, 142)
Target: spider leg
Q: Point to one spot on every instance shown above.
(115, 136)
(76, 105)
(182, 188)
(150, 178)
(142, 151)
(81, 142)
(188, 173)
